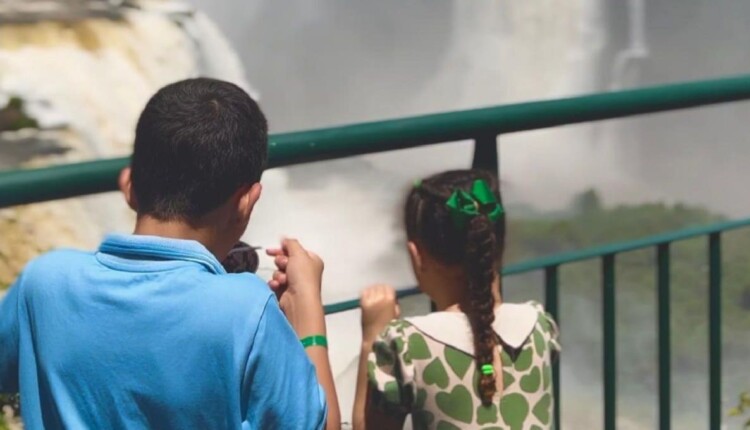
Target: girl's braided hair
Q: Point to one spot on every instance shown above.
(478, 246)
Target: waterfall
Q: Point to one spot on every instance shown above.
(637, 48)
(498, 52)
(86, 82)
(125, 62)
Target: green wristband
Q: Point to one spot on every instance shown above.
(488, 369)
(317, 340)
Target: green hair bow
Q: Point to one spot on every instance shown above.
(464, 206)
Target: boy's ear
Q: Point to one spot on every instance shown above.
(415, 255)
(247, 199)
(126, 188)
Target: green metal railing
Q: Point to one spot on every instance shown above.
(607, 253)
(483, 126)
(480, 125)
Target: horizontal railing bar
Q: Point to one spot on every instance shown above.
(350, 305)
(616, 248)
(583, 255)
(337, 142)
(59, 182)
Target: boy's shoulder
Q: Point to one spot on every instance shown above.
(241, 287)
(231, 290)
(61, 258)
(234, 296)
(62, 253)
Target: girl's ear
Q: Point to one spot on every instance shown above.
(416, 257)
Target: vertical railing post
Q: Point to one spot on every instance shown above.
(551, 304)
(608, 315)
(714, 324)
(485, 154)
(665, 354)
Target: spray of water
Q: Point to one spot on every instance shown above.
(86, 82)
(341, 62)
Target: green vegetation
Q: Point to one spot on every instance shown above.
(589, 224)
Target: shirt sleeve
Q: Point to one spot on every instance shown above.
(390, 370)
(554, 332)
(283, 389)
(9, 340)
(550, 329)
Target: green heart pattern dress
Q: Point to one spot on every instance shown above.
(424, 367)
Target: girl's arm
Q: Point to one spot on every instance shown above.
(360, 396)
(366, 416)
(379, 306)
(377, 419)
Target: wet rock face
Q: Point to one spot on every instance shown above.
(30, 230)
(16, 248)
(20, 143)
(14, 118)
(50, 114)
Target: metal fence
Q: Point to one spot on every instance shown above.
(483, 126)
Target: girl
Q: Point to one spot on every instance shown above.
(475, 363)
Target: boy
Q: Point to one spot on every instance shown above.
(150, 331)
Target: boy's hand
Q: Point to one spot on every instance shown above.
(296, 283)
(297, 270)
(379, 307)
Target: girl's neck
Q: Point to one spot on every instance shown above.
(450, 294)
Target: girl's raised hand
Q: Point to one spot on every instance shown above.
(379, 306)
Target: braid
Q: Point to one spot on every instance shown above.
(478, 247)
(480, 268)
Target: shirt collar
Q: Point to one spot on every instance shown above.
(155, 247)
(513, 324)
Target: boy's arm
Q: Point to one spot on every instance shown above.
(283, 390)
(297, 284)
(310, 323)
(9, 340)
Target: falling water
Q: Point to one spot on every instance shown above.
(493, 53)
(520, 51)
(86, 82)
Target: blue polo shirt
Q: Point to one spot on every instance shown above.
(152, 333)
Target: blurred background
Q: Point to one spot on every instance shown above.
(78, 78)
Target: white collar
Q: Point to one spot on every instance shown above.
(514, 323)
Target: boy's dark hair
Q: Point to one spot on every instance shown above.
(478, 247)
(197, 141)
